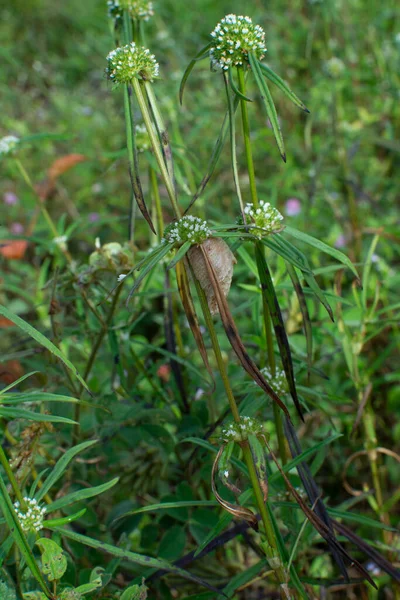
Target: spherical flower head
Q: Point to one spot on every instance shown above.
(138, 9)
(239, 432)
(8, 144)
(131, 61)
(266, 218)
(31, 518)
(233, 38)
(115, 12)
(142, 138)
(334, 67)
(188, 229)
(278, 382)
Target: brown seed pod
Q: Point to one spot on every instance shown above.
(222, 261)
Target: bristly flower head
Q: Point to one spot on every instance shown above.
(188, 229)
(238, 432)
(265, 217)
(138, 9)
(8, 144)
(131, 61)
(32, 518)
(334, 67)
(278, 382)
(234, 37)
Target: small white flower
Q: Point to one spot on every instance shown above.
(97, 243)
(121, 277)
(32, 519)
(278, 382)
(8, 144)
(266, 218)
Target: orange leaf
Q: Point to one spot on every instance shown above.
(5, 323)
(63, 164)
(13, 249)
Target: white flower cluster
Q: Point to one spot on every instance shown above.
(8, 144)
(237, 432)
(131, 61)
(278, 382)
(138, 9)
(188, 229)
(31, 519)
(265, 217)
(236, 36)
(334, 67)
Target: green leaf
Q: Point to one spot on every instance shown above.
(234, 87)
(18, 535)
(135, 592)
(172, 544)
(60, 467)
(140, 559)
(145, 270)
(49, 523)
(287, 251)
(37, 397)
(169, 505)
(80, 495)
(268, 103)
(17, 382)
(54, 561)
(179, 254)
(283, 86)
(42, 340)
(7, 593)
(34, 596)
(201, 54)
(311, 241)
(304, 313)
(21, 413)
(312, 282)
(232, 131)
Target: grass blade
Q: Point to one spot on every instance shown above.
(30, 415)
(42, 340)
(81, 495)
(179, 255)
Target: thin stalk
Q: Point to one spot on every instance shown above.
(273, 553)
(130, 141)
(162, 130)
(155, 145)
(246, 136)
(157, 203)
(11, 477)
(92, 357)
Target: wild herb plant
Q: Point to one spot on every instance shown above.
(185, 263)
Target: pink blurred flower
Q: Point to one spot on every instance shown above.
(93, 217)
(293, 207)
(340, 241)
(10, 198)
(17, 228)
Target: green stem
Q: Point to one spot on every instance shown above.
(130, 142)
(272, 553)
(156, 147)
(11, 477)
(246, 136)
(157, 202)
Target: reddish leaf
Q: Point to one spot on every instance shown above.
(63, 164)
(13, 249)
(11, 371)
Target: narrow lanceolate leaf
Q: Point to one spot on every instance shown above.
(49, 523)
(234, 87)
(287, 251)
(268, 103)
(42, 340)
(312, 282)
(283, 86)
(201, 54)
(139, 559)
(269, 294)
(19, 537)
(235, 340)
(322, 528)
(60, 467)
(311, 241)
(145, 270)
(216, 153)
(305, 314)
(21, 413)
(191, 315)
(133, 159)
(232, 130)
(17, 382)
(240, 512)
(258, 453)
(80, 495)
(179, 255)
